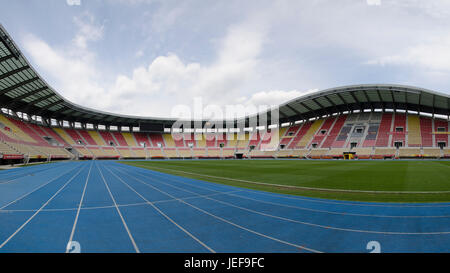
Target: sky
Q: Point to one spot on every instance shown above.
(147, 57)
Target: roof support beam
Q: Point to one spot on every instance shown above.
(8, 44)
(420, 102)
(12, 72)
(393, 100)
(342, 99)
(381, 101)
(26, 95)
(309, 109)
(5, 58)
(295, 111)
(368, 99)
(46, 107)
(332, 103)
(42, 98)
(11, 88)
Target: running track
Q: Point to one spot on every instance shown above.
(105, 206)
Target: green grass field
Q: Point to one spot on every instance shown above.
(391, 180)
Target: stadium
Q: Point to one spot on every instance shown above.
(356, 168)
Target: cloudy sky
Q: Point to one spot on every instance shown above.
(143, 57)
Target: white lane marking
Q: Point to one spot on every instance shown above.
(118, 211)
(25, 195)
(119, 205)
(166, 216)
(311, 224)
(229, 222)
(303, 208)
(78, 210)
(314, 200)
(40, 209)
(26, 174)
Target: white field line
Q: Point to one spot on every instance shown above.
(308, 209)
(297, 187)
(324, 201)
(307, 223)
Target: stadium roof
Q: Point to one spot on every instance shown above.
(23, 90)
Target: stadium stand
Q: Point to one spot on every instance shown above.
(285, 153)
(441, 132)
(371, 120)
(97, 138)
(306, 139)
(108, 138)
(431, 153)
(384, 130)
(363, 153)
(125, 153)
(409, 153)
(129, 139)
(414, 132)
(301, 153)
(270, 140)
(331, 137)
(398, 132)
(336, 152)
(142, 140)
(120, 139)
(242, 141)
(384, 152)
(170, 142)
(87, 137)
(228, 153)
(231, 140)
(318, 153)
(199, 153)
(185, 152)
(288, 136)
(222, 140)
(322, 132)
(190, 140)
(171, 153)
(371, 136)
(155, 153)
(426, 128)
(262, 154)
(214, 153)
(446, 153)
(64, 136)
(210, 141)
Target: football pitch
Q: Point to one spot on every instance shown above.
(383, 181)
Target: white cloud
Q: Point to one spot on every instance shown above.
(73, 2)
(72, 68)
(277, 46)
(274, 97)
(88, 30)
(373, 2)
(166, 82)
(434, 56)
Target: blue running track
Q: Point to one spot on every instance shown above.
(105, 206)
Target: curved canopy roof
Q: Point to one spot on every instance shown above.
(23, 90)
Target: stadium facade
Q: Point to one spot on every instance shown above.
(364, 121)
